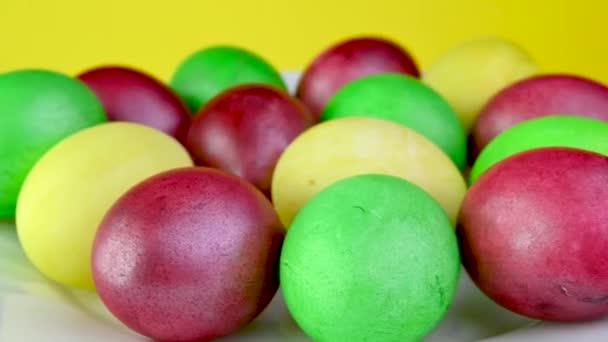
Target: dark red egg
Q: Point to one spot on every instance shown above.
(188, 255)
(347, 61)
(131, 95)
(536, 97)
(533, 232)
(245, 129)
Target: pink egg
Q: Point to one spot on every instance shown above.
(347, 61)
(245, 129)
(536, 97)
(131, 95)
(188, 255)
(533, 234)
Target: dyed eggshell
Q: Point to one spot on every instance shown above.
(211, 71)
(347, 61)
(69, 190)
(406, 101)
(469, 74)
(188, 255)
(537, 97)
(363, 256)
(38, 109)
(131, 95)
(549, 131)
(534, 230)
(245, 129)
(337, 149)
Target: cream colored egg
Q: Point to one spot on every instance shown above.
(336, 149)
(69, 190)
(468, 75)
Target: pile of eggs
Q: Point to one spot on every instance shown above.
(185, 205)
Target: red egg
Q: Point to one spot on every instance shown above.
(245, 129)
(188, 255)
(131, 95)
(536, 97)
(347, 61)
(534, 234)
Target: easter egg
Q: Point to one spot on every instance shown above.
(188, 255)
(210, 71)
(131, 95)
(469, 74)
(337, 149)
(69, 190)
(404, 100)
(38, 108)
(347, 61)
(533, 234)
(536, 97)
(550, 131)
(245, 129)
(370, 258)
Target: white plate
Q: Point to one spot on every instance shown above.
(33, 309)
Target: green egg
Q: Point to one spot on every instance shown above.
(37, 109)
(406, 101)
(210, 71)
(370, 258)
(549, 131)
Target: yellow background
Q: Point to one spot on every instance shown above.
(562, 35)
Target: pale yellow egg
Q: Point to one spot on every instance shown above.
(337, 149)
(468, 75)
(69, 190)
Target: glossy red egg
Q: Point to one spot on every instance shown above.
(245, 129)
(131, 95)
(188, 255)
(536, 97)
(347, 61)
(533, 233)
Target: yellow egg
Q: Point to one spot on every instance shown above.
(468, 75)
(69, 190)
(341, 148)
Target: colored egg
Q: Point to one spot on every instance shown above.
(536, 97)
(188, 255)
(341, 148)
(550, 131)
(533, 233)
(131, 95)
(370, 258)
(404, 100)
(347, 61)
(469, 74)
(245, 129)
(72, 186)
(38, 108)
(210, 71)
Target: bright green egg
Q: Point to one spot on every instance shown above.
(550, 131)
(370, 258)
(210, 71)
(37, 109)
(406, 101)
